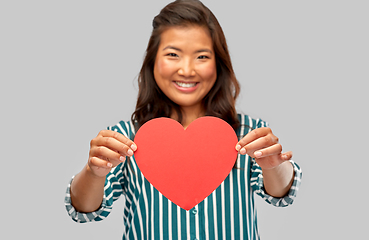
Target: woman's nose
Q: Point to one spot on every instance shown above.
(186, 69)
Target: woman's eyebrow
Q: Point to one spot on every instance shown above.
(171, 47)
(197, 51)
(204, 50)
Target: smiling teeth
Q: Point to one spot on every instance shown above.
(186, 85)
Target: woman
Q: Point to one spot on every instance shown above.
(186, 74)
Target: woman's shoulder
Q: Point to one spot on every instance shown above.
(124, 127)
(253, 123)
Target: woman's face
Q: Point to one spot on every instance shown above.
(185, 67)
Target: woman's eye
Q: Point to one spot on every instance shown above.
(172, 55)
(203, 57)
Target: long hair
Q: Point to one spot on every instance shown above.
(220, 101)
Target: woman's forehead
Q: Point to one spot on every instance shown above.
(186, 37)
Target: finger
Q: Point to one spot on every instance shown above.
(110, 141)
(270, 162)
(252, 136)
(119, 137)
(287, 156)
(105, 153)
(100, 163)
(275, 149)
(260, 143)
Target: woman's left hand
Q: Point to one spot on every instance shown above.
(264, 146)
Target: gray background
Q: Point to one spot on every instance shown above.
(68, 69)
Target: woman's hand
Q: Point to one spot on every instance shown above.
(263, 145)
(107, 150)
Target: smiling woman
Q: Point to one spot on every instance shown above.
(185, 69)
(178, 24)
(186, 74)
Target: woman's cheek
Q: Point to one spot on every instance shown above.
(209, 72)
(164, 68)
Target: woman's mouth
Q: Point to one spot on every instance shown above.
(186, 87)
(186, 84)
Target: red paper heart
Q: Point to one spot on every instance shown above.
(186, 166)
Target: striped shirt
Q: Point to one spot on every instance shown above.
(227, 213)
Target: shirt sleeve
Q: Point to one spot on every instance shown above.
(257, 184)
(112, 191)
(257, 181)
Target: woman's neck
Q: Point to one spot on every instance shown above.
(189, 115)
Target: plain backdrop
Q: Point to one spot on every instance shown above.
(68, 69)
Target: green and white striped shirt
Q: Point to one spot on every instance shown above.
(227, 213)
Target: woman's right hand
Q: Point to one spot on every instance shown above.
(107, 150)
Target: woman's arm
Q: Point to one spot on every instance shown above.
(278, 180)
(87, 191)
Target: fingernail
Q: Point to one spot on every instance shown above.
(130, 152)
(109, 164)
(243, 151)
(258, 154)
(238, 147)
(122, 159)
(134, 147)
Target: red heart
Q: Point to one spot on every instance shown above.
(186, 166)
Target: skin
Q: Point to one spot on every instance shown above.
(185, 55)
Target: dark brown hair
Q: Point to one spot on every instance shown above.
(220, 101)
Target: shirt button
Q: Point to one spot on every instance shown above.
(194, 211)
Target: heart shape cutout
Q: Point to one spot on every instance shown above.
(186, 166)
